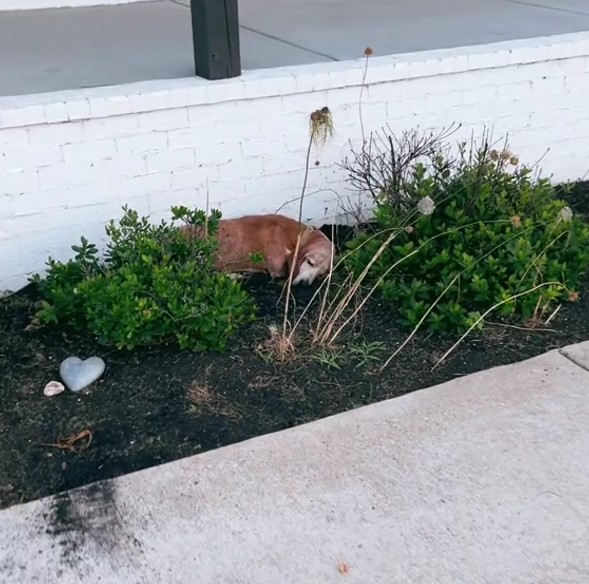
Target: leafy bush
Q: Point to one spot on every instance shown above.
(467, 233)
(156, 284)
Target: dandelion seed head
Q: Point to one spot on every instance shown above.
(426, 206)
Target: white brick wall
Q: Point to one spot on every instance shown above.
(70, 160)
(34, 4)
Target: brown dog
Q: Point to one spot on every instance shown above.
(274, 239)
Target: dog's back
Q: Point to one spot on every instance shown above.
(274, 237)
(271, 236)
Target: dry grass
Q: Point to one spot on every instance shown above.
(278, 346)
(263, 382)
(204, 400)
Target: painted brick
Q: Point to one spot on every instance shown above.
(215, 155)
(22, 116)
(188, 177)
(162, 202)
(139, 186)
(114, 127)
(19, 182)
(186, 137)
(163, 120)
(120, 167)
(140, 143)
(244, 140)
(61, 176)
(37, 202)
(110, 106)
(13, 137)
(78, 110)
(56, 134)
(89, 151)
(29, 158)
(94, 190)
(56, 112)
(208, 116)
(32, 4)
(168, 160)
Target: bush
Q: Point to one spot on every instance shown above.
(471, 232)
(156, 284)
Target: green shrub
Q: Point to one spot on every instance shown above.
(156, 284)
(472, 232)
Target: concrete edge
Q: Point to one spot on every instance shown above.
(145, 96)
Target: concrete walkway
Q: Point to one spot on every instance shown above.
(72, 48)
(481, 480)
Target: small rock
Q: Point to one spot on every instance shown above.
(53, 388)
(78, 374)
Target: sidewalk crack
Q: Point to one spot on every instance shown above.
(533, 4)
(573, 360)
(289, 43)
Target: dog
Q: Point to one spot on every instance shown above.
(273, 238)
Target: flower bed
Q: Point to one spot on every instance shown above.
(469, 264)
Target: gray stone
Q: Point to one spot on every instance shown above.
(78, 374)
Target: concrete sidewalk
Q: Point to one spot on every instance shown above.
(484, 479)
(73, 48)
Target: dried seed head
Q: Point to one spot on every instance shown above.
(516, 221)
(368, 51)
(493, 155)
(565, 214)
(426, 206)
(505, 155)
(514, 160)
(321, 125)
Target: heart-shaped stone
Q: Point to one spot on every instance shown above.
(78, 374)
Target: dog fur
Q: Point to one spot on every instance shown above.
(275, 238)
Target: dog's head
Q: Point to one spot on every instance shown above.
(315, 257)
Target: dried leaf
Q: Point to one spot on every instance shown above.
(70, 442)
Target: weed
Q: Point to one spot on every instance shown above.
(367, 353)
(327, 358)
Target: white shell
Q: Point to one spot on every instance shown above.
(53, 388)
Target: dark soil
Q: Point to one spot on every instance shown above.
(157, 405)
